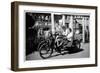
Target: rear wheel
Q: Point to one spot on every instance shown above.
(76, 44)
(45, 51)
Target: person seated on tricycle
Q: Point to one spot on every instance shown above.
(66, 38)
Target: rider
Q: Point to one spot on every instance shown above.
(68, 36)
(68, 33)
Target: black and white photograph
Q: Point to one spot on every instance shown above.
(57, 35)
(51, 36)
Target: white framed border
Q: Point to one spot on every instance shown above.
(60, 62)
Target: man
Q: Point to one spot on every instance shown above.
(58, 28)
(68, 36)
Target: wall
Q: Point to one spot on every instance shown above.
(5, 34)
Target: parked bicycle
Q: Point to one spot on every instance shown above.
(49, 45)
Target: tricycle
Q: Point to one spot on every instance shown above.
(56, 43)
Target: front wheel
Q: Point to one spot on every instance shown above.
(45, 51)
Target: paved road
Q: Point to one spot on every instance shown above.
(84, 53)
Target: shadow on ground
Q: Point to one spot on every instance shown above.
(72, 51)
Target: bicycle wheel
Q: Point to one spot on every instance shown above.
(45, 51)
(77, 44)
